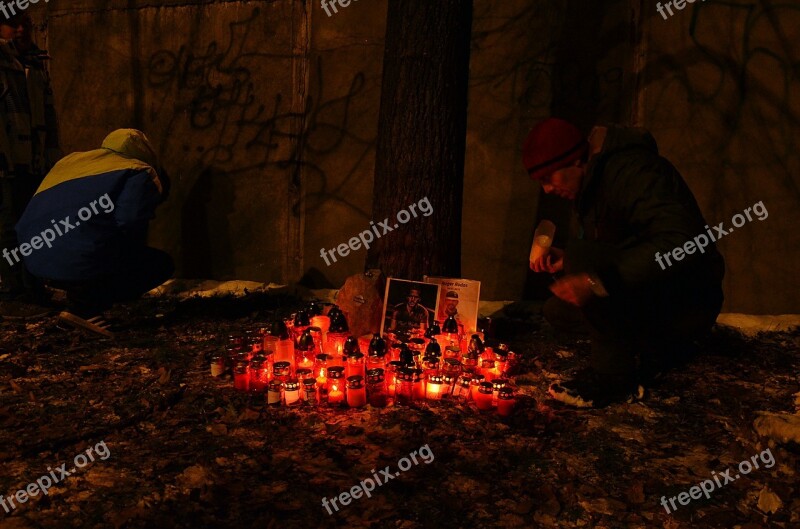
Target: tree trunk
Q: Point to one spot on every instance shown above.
(422, 137)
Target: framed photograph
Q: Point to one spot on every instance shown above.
(408, 305)
(459, 298)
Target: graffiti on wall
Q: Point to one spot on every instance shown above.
(220, 93)
(740, 77)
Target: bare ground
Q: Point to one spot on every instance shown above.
(188, 451)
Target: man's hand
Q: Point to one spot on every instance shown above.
(552, 262)
(575, 289)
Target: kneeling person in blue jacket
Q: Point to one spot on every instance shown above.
(85, 230)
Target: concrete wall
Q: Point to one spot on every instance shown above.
(220, 90)
(721, 93)
(265, 113)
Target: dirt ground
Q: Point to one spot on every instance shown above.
(185, 450)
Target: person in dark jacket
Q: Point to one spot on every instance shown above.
(85, 230)
(633, 206)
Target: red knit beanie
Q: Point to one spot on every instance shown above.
(552, 144)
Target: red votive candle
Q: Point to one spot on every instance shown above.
(322, 322)
(284, 352)
(462, 387)
(483, 397)
(475, 383)
(405, 386)
(356, 392)
(487, 369)
(434, 387)
(282, 371)
(270, 344)
(309, 392)
(241, 375)
(355, 365)
(274, 393)
(497, 385)
(506, 402)
(392, 381)
(452, 352)
(336, 385)
(376, 388)
(448, 383)
(259, 374)
(419, 384)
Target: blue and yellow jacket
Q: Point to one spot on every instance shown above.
(98, 203)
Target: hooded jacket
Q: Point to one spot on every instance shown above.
(91, 208)
(635, 201)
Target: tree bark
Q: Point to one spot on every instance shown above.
(422, 137)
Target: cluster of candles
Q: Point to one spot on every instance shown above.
(311, 359)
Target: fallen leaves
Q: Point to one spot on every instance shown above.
(768, 501)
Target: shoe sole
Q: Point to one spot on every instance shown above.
(96, 325)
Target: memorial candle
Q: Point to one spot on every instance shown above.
(281, 371)
(335, 395)
(497, 385)
(376, 388)
(405, 386)
(310, 393)
(318, 319)
(475, 384)
(506, 402)
(462, 387)
(483, 397)
(284, 348)
(448, 384)
(450, 333)
(320, 369)
(305, 351)
(355, 365)
(217, 363)
(241, 375)
(434, 386)
(377, 346)
(430, 364)
(356, 392)
(336, 385)
(394, 368)
(419, 384)
(274, 393)
(337, 335)
(301, 322)
(291, 393)
(259, 374)
(487, 369)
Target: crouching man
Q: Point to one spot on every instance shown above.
(85, 230)
(633, 208)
